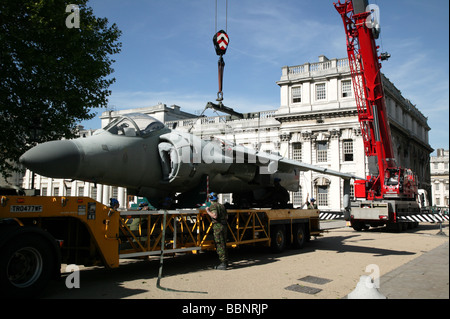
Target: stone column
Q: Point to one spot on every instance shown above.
(121, 197)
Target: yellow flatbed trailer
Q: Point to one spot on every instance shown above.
(39, 233)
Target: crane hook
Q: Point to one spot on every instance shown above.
(221, 41)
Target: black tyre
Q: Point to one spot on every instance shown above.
(394, 227)
(404, 226)
(278, 239)
(299, 236)
(26, 265)
(357, 226)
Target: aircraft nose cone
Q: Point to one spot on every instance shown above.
(57, 159)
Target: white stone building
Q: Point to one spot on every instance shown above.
(440, 178)
(319, 125)
(316, 123)
(161, 112)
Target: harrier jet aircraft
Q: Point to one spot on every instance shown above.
(140, 153)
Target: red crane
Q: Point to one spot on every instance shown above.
(362, 29)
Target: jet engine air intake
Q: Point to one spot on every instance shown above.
(177, 158)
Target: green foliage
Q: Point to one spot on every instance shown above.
(51, 76)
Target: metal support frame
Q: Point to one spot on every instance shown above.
(187, 231)
(141, 232)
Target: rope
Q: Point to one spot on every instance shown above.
(161, 261)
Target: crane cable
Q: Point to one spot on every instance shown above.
(226, 17)
(221, 41)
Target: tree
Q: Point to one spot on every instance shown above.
(51, 73)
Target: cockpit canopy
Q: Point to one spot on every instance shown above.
(134, 124)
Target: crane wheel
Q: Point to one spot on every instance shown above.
(278, 238)
(299, 236)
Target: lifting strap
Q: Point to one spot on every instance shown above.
(221, 65)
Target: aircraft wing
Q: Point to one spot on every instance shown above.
(309, 167)
(271, 163)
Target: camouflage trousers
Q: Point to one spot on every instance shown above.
(220, 237)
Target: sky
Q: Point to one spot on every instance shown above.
(168, 55)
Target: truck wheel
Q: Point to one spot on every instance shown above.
(357, 226)
(26, 264)
(394, 227)
(404, 226)
(299, 236)
(278, 239)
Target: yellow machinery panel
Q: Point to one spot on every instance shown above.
(46, 212)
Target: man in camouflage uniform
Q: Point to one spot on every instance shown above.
(312, 204)
(218, 215)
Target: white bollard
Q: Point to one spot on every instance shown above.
(365, 289)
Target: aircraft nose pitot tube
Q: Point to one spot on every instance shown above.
(56, 159)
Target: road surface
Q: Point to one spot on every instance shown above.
(328, 267)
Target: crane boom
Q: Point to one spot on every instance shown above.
(361, 31)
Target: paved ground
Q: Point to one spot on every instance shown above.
(411, 264)
(425, 277)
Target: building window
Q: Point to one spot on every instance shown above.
(297, 151)
(226, 198)
(296, 94)
(68, 191)
(436, 187)
(115, 192)
(321, 93)
(297, 198)
(94, 192)
(322, 195)
(322, 150)
(81, 191)
(346, 88)
(44, 191)
(348, 150)
(56, 191)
